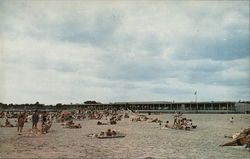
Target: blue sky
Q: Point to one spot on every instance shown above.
(113, 51)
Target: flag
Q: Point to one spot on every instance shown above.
(195, 92)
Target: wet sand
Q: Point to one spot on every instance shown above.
(143, 139)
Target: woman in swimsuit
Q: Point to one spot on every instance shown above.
(20, 123)
(238, 142)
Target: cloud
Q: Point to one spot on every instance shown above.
(123, 51)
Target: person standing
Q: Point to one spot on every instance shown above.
(20, 123)
(44, 118)
(232, 120)
(35, 119)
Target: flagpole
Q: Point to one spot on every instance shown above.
(196, 97)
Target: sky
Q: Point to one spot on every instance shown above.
(123, 51)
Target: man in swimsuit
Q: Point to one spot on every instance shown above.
(35, 119)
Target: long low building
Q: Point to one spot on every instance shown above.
(153, 106)
(190, 107)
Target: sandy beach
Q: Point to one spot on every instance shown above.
(143, 139)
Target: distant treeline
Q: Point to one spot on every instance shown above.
(37, 104)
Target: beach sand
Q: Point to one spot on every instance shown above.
(143, 139)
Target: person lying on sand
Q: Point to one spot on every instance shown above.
(242, 139)
(96, 135)
(238, 142)
(76, 126)
(145, 118)
(136, 119)
(71, 124)
(100, 123)
(155, 120)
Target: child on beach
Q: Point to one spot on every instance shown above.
(232, 120)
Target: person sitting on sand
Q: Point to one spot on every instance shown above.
(160, 125)
(167, 125)
(126, 115)
(8, 124)
(99, 123)
(189, 122)
(70, 123)
(175, 123)
(102, 134)
(109, 133)
(112, 122)
(114, 133)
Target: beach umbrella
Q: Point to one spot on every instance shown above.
(66, 112)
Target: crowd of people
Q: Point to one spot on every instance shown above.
(23, 117)
(46, 119)
(180, 122)
(108, 133)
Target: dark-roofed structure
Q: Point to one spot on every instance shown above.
(143, 107)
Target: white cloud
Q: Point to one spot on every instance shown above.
(123, 51)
